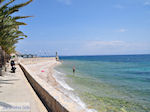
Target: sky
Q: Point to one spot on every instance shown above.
(86, 27)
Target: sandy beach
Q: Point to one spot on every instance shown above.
(44, 69)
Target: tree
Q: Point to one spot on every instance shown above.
(9, 29)
(9, 25)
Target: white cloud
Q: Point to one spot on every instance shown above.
(105, 43)
(71, 47)
(122, 30)
(147, 3)
(67, 2)
(104, 47)
(115, 47)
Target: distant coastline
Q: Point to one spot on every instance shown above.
(102, 55)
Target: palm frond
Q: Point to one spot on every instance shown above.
(18, 6)
(9, 26)
(20, 17)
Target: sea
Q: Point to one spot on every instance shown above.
(108, 83)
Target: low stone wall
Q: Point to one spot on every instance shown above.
(54, 100)
(27, 61)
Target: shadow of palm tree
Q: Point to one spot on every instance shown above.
(5, 105)
(8, 81)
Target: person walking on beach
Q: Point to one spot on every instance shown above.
(73, 69)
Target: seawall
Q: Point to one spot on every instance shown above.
(53, 99)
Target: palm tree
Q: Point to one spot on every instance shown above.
(9, 27)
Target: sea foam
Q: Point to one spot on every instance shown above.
(68, 91)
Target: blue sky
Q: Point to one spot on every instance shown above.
(87, 27)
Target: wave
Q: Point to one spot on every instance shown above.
(68, 91)
(59, 77)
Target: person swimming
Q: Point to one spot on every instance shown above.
(74, 69)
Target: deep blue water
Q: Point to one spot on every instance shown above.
(115, 83)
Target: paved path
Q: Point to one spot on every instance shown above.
(15, 91)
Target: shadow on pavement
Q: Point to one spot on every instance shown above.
(5, 104)
(8, 81)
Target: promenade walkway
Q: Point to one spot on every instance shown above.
(16, 94)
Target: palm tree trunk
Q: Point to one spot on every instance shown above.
(1, 53)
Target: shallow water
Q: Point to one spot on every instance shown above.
(110, 83)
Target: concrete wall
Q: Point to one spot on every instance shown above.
(35, 60)
(54, 100)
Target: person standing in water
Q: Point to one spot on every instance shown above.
(73, 69)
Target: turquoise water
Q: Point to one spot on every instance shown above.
(110, 83)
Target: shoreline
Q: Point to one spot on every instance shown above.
(44, 69)
(99, 92)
